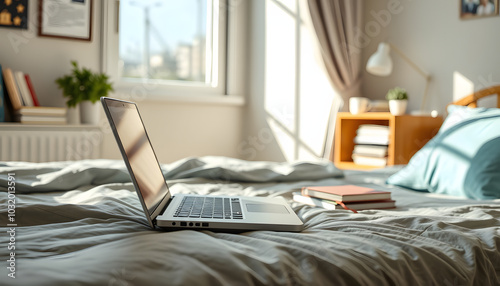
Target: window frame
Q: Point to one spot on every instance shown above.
(230, 60)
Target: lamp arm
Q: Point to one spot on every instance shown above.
(419, 70)
(424, 99)
(410, 62)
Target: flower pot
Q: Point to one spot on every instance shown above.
(398, 107)
(73, 116)
(90, 113)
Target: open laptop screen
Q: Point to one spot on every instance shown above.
(135, 143)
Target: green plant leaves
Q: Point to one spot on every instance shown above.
(82, 84)
(397, 93)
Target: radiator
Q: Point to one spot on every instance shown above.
(44, 144)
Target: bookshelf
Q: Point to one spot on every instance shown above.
(408, 133)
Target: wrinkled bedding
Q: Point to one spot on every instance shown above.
(81, 223)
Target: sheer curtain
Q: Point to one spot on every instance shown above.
(335, 23)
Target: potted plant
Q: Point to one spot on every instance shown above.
(398, 100)
(84, 88)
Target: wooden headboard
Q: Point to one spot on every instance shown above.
(471, 99)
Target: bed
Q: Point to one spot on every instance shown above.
(81, 223)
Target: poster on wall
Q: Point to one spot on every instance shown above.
(14, 14)
(473, 9)
(70, 19)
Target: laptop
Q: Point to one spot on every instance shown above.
(185, 211)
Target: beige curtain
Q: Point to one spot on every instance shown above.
(336, 23)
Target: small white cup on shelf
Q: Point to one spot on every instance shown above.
(359, 105)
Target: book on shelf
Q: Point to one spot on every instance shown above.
(11, 88)
(42, 111)
(379, 106)
(372, 134)
(18, 88)
(32, 90)
(373, 129)
(369, 160)
(31, 119)
(371, 145)
(371, 150)
(23, 104)
(333, 205)
(371, 139)
(23, 88)
(346, 193)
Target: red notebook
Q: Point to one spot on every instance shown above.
(346, 193)
(32, 90)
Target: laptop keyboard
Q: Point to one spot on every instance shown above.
(209, 207)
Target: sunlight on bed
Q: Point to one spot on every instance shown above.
(95, 195)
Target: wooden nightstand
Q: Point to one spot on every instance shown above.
(408, 133)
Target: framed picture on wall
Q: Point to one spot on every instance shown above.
(472, 9)
(69, 19)
(14, 14)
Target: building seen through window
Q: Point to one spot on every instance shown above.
(167, 39)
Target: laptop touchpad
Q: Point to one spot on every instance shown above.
(267, 208)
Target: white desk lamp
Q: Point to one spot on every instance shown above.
(380, 63)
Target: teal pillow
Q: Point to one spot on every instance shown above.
(463, 159)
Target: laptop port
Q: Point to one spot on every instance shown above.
(197, 224)
(205, 224)
(190, 224)
(174, 223)
(183, 223)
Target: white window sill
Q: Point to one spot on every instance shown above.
(231, 100)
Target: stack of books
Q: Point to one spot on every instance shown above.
(40, 115)
(24, 105)
(371, 145)
(349, 197)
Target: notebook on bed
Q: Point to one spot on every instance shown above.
(183, 211)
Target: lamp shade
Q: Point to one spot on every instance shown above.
(380, 63)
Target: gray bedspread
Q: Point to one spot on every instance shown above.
(80, 223)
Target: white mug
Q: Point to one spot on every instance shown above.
(359, 105)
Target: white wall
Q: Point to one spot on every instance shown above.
(455, 52)
(289, 93)
(45, 59)
(177, 129)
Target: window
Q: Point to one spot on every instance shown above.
(167, 40)
(157, 48)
